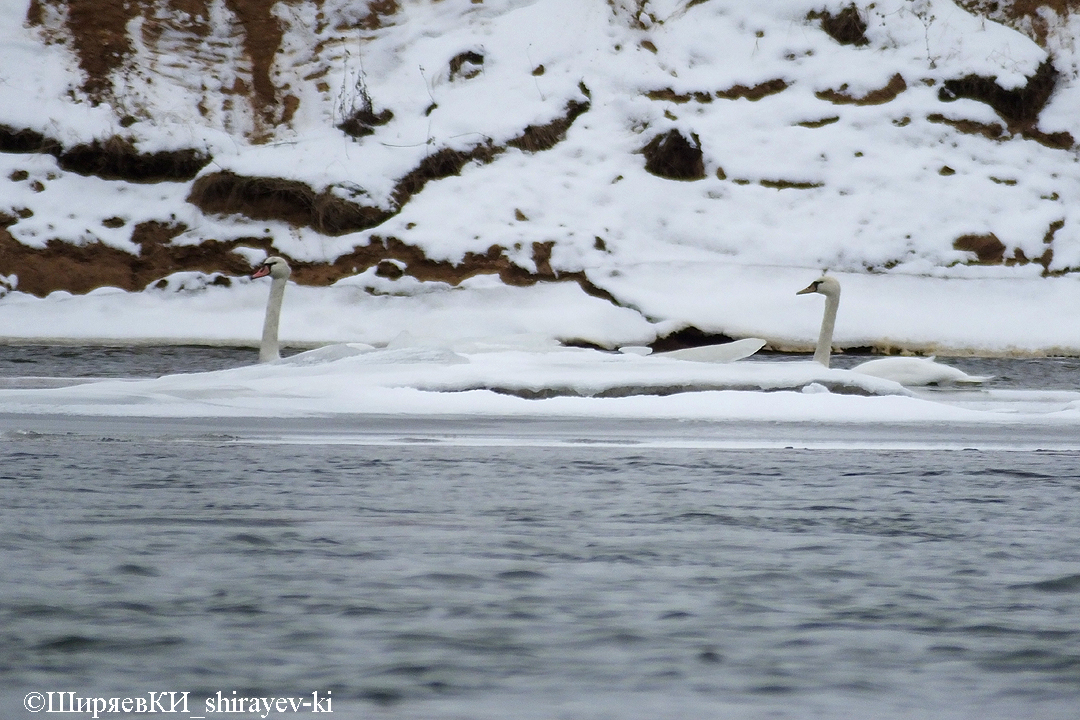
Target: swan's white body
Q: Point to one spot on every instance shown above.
(904, 370)
(916, 371)
(279, 272)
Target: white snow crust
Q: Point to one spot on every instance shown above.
(870, 203)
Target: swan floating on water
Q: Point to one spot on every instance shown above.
(917, 371)
(279, 272)
(904, 370)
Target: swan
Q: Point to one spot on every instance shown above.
(279, 272)
(904, 370)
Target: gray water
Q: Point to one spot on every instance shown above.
(19, 362)
(467, 568)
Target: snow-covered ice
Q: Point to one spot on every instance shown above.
(528, 377)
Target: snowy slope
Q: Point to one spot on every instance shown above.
(951, 222)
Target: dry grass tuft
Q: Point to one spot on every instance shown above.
(364, 121)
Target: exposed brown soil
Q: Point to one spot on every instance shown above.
(364, 121)
(99, 34)
(537, 138)
(98, 29)
(82, 268)
(846, 27)
(466, 65)
(756, 92)
(1024, 15)
(769, 87)
(1048, 240)
(291, 201)
(117, 159)
(441, 164)
(789, 184)
(79, 269)
(1058, 141)
(61, 266)
(411, 260)
(987, 248)
(1029, 130)
(671, 96)
(675, 157)
(895, 86)
(261, 198)
(262, 38)
(112, 159)
(992, 131)
(1019, 107)
(819, 123)
(13, 140)
(377, 10)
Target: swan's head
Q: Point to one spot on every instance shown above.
(827, 286)
(273, 266)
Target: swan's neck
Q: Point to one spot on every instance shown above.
(268, 349)
(828, 323)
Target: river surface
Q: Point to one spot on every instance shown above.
(482, 568)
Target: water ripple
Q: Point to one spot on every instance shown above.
(409, 578)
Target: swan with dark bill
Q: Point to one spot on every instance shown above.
(904, 370)
(279, 272)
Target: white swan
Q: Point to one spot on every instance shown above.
(279, 272)
(904, 370)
